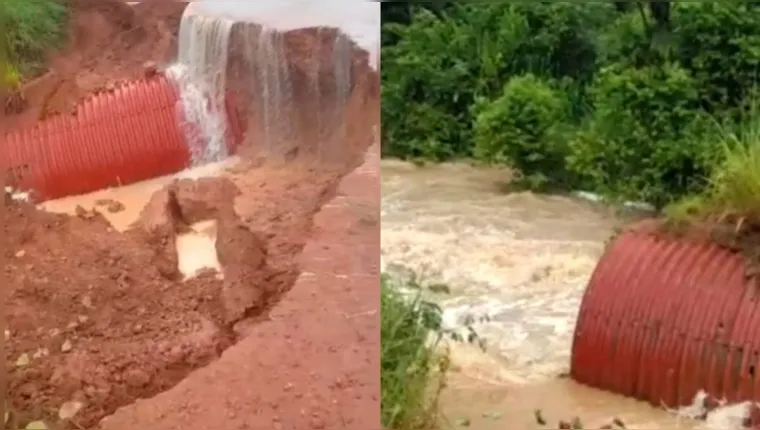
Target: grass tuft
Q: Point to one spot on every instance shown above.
(413, 368)
(32, 28)
(733, 189)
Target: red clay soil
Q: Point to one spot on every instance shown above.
(109, 41)
(104, 319)
(314, 363)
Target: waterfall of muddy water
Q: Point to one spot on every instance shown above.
(295, 111)
(200, 76)
(283, 103)
(516, 265)
(270, 68)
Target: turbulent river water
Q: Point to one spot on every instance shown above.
(516, 265)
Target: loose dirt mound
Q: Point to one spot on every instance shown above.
(109, 41)
(102, 318)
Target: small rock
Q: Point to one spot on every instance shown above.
(67, 346)
(40, 353)
(539, 416)
(20, 254)
(137, 378)
(87, 301)
(7, 334)
(80, 211)
(23, 360)
(36, 425)
(493, 415)
(53, 332)
(115, 207)
(463, 422)
(69, 409)
(150, 69)
(82, 319)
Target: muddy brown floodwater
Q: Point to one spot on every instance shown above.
(517, 265)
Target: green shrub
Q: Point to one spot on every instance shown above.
(636, 144)
(733, 187)
(719, 42)
(428, 87)
(31, 29)
(561, 37)
(522, 128)
(637, 96)
(411, 372)
(448, 60)
(625, 41)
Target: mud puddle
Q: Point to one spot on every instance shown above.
(131, 199)
(516, 266)
(196, 250)
(195, 246)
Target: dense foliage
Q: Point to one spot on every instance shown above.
(611, 97)
(411, 368)
(29, 30)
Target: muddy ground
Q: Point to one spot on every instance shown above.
(97, 318)
(103, 318)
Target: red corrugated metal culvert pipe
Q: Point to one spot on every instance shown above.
(664, 317)
(118, 137)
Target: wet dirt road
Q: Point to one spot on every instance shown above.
(516, 265)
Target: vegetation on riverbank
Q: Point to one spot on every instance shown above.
(30, 30)
(610, 97)
(727, 211)
(413, 368)
(732, 189)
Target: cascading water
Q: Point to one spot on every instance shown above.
(274, 79)
(200, 76)
(293, 91)
(265, 63)
(295, 97)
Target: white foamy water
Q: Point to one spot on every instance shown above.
(517, 265)
(200, 73)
